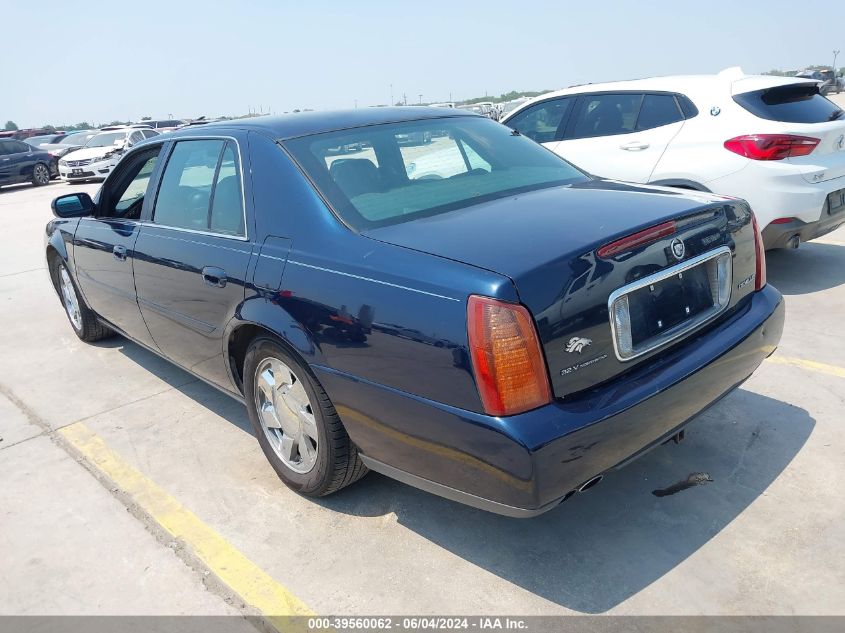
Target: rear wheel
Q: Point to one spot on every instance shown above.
(295, 422)
(40, 174)
(82, 319)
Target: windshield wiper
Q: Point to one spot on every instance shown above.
(835, 115)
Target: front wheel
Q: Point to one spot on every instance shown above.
(295, 422)
(82, 319)
(40, 175)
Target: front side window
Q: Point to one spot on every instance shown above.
(658, 110)
(545, 121)
(20, 148)
(424, 168)
(126, 196)
(606, 114)
(197, 172)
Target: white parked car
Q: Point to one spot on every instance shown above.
(100, 154)
(773, 141)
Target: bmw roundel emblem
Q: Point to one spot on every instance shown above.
(678, 249)
(715, 111)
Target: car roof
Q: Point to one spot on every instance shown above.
(289, 126)
(732, 80)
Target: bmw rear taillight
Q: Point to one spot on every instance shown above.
(771, 146)
(507, 362)
(760, 252)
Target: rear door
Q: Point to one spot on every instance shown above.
(193, 255)
(621, 135)
(5, 162)
(104, 246)
(544, 122)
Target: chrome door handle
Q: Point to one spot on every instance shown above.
(634, 146)
(214, 276)
(119, 252)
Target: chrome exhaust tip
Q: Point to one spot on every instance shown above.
(794, 242)
(589, 483)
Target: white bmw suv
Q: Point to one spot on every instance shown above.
(100, 154)
(773, 141)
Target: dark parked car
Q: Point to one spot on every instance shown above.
(20, 162)
(500, 331)
(829, 81)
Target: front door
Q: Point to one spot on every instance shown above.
(193, 256)
(103, 246)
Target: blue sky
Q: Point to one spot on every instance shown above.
(88, 60)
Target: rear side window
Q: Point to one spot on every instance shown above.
(658, 110)
(797, 103)
(606, 114)
(545, 121)
(196, 173)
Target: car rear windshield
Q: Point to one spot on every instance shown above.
(795, 103)
(395, 172)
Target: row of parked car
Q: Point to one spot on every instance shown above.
(73, 156)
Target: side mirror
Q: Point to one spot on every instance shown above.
(73, 205)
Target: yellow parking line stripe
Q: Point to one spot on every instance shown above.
(811, 365)
(244, 577)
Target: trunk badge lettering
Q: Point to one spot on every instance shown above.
(840, 142)
(678, 249)
(577, 344)
(586, 363)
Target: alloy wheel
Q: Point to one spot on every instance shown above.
(286, 415)
(42, 175)
(69, 298)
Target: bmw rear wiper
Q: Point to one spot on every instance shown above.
(835, 115)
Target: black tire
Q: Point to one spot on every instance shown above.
(40, 174)
(337, 463)
(89, 328)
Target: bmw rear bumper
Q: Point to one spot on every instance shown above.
(524, 465)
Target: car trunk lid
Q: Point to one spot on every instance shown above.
(549, 241)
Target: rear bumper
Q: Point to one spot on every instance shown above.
(526, 464)
(779, 235)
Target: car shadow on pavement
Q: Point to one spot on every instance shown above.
(813, 267)
(598, 548)
(601, 547)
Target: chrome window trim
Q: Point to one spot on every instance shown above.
(228, 236)
(174, 141)
(694, 323)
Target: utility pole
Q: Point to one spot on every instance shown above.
(405, 98)
(420, 99)
(356, 104)
(835, 55)
(392, 102)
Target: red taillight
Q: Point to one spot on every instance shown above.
(760, 252)
(506, 359)
(649, 235)
(771, 146)
(782, 221)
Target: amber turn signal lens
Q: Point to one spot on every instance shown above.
(506, 359)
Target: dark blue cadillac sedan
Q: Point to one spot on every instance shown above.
(424, 293)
